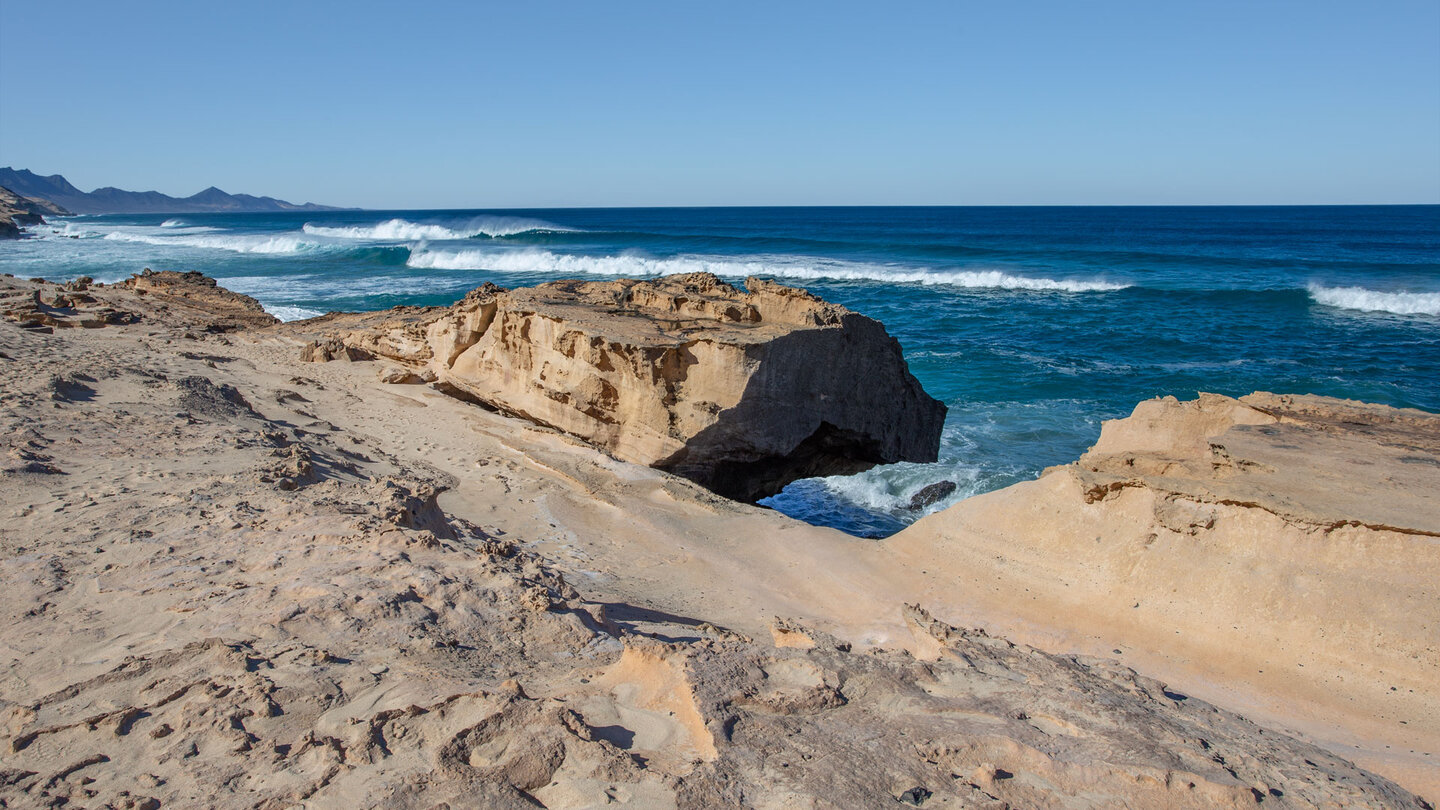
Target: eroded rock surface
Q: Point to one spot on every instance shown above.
(197, 294)
(740, 391)
(1290, 543)
(169, 297)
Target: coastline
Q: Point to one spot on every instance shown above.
(658, 555)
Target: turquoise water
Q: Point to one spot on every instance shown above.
(1032, 324)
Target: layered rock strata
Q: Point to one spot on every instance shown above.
(740, 391)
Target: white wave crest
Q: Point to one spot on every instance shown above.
(288, 314)
(1359, 298)
(395, 229)
(236, 244)
(404, 230)
(969, 279)
(173, 223)
(801, 267)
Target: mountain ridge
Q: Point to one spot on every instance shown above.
(110, 200)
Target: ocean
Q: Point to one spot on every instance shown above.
(1032, 324)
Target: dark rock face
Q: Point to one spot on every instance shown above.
(932, 494)
(835, 400)
(741, 391)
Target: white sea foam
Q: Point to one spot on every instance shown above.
(800, 267)
(404, 230)
(970, 279)
(65, 230)
(890, 488)
(173, 223)
(282, 244)
(336, 291)
(1359, 298)
(119, 233)
(287, 314)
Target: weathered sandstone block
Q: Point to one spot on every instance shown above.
(741, 391)
(1290, 543)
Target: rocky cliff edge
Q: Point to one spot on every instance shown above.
(742, 391)
(1283, 545)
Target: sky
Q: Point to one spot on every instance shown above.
(550, 104)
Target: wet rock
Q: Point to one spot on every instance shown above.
(931, 494)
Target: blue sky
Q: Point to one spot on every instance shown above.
(777, 103)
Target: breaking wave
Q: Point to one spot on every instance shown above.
(236, 244)
(287, 314)
(540, 261)
(173, 223)
(404, 230)
(1359, 298)
(68, 230)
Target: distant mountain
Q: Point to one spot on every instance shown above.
(108, 200)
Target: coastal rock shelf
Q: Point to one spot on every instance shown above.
(237, 580)
(1290, 543)
(739, 391)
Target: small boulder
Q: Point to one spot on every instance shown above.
(931, 494)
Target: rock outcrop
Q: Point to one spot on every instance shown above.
(195, 292)
(190, 298)
(740, 391)
(17, 210)
(1287, 543)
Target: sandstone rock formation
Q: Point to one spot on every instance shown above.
(17, 210)
(740, 391)
(191, 298)
(194, 292)
(1287, 543)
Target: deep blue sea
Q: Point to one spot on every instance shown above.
(1032, 324)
